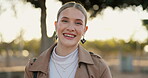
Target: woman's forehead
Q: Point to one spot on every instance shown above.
(72, 13)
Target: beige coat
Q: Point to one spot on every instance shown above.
(90, 65)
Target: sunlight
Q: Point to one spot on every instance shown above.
(27, 19)
(52, 9)
(117, 24)
(120, 24)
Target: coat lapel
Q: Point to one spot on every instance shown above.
(84, 56)
(42, 63)
(84, 60)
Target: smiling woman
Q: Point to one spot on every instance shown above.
(70, 27)
(67, 58)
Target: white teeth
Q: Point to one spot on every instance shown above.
(67, 35)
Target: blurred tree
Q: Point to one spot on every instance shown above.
(32, 46)
(96, 6)
(111, 47)
(46, 41)
(12, 5)
(145, 23)
(92, 6)
(2, 9)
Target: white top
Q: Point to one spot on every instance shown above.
(63, 66)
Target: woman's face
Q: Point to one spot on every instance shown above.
(70, 26)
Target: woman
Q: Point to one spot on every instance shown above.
(66, 58)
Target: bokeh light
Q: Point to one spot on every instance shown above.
(25, 53)
(146, 48)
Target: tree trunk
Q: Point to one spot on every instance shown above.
(46, 42)
(44, 38)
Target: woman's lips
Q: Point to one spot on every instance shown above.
(69, 35)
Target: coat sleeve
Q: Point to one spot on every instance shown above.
(106, 73)
(27, 73)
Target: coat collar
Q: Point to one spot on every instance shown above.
(84, 55)
(42, 63)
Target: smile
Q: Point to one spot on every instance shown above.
(69, 35)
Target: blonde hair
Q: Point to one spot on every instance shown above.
(75, 5)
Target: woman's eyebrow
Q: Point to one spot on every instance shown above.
(79, 20)
(68, 18)
(65, 17)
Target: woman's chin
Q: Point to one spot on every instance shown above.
(69, 43)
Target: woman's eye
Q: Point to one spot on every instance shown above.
(78, 23)
(64, 21)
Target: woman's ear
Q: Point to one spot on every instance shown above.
(86, 28)
(55, 24)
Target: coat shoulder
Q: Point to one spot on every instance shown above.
(95, 55)
(100, 66)
(98, 60)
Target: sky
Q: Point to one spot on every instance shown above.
(118, 24)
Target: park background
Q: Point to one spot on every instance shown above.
(118, 31)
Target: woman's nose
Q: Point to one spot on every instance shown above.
(71, 28)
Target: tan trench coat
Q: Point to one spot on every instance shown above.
(90, 65)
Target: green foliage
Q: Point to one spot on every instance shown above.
(32, 46)
(113, 46)
(102, 4)
(145, 23)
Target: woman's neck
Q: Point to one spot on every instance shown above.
(64, 50)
